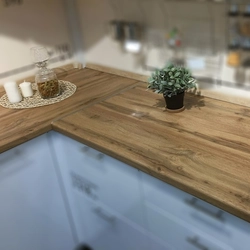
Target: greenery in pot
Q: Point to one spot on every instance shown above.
(171, 80)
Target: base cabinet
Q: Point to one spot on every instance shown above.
(179, 234)
(57, 193)
(32, 210)
(100, 228)
(99, 177)
(115, 206)
(186, 222)
(104, 197)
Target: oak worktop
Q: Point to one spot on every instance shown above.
(204, 150)
(18, 126)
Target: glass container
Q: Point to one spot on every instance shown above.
(46, 79)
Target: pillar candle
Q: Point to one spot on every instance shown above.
(26, 89)
(12, 92)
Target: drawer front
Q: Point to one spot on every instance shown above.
(101, 178)
(207, 218)
(20, 157)
(179, 234)
(100, 228)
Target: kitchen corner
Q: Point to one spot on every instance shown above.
(199, 150)
(203, 151)
(93, 86)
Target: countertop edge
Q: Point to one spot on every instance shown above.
(228, 207)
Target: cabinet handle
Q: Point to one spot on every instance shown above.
(217, 215)
(100, 156)
(108, 218)
(86, 149)
(83, 247)
(195, 242)
(84, 185)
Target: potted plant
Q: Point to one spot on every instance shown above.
(172, 81)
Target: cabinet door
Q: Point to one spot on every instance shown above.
(105, 198)
(209, 219)
(178, 234)
(100, 228)
(32, 211)
(100, 177)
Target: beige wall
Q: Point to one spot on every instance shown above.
(34, 22)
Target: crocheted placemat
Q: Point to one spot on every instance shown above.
(67, 89)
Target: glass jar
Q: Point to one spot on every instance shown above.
(47, 82)
(46, 79)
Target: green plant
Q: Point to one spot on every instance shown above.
(171, 80)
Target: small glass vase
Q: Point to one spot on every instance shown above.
(46, 79)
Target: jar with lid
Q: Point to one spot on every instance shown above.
(47, 83)
(46, 79)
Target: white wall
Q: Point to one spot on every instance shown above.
(204, 29)
(31, 23)
(203, 26)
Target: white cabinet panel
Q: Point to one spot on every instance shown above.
(100, 177)
(209, 219)
(113, 191)
(32, 211)
(178, 234)
(100, 228)
(105, 196)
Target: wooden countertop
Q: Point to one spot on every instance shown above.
(18, 126)
(203, 150)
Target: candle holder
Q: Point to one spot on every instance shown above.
(46, 79)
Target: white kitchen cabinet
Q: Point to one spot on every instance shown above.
(104, 197)
(100, 228)
(178, 233)
(169, 209)
(100, 177)
(32, 210)
(112, 202)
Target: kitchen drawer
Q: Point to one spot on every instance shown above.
(178, 234)
(100, 228)
(20, 157)
(100, 177)
(207, 218)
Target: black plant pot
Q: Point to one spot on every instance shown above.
(175, 102)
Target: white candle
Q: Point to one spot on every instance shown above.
(12, 92)
(26, 89)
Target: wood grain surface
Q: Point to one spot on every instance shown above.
(204, 150)
(211, 92)
(118, 72)
(18, 126)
